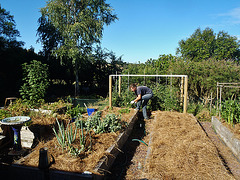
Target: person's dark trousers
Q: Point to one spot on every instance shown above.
(143, 102)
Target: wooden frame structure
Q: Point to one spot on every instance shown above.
(219, 93)
(184, 86)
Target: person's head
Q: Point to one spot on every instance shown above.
(133, 87)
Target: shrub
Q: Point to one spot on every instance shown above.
(35, 78)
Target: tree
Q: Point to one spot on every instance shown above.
(48, 36)
(80, 25)
(8, 31)
(203, 76)
(227, 47)
(103, 63)
(205, 44)
(160, 65)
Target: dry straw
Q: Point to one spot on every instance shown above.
(181, 150)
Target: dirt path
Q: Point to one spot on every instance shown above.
(230, 161)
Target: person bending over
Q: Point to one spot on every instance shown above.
(143, 94)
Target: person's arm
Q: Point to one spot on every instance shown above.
(139, 97)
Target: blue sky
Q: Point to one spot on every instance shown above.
(146, 28)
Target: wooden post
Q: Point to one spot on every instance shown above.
(185, 94)
(220, 101)
(119, 85)
(211, 104)
(144, 78)
(128, 81)
(181, 95)
(110, 91)
(217, 97)
(116, 82)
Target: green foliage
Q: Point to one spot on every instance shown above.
(56, 107)
(8, 31)
(124, 111)
(230, 111)
(79, 25)
(66, 138)
(111, 123)
(4, 113)
(194, 108)
(101, 63)
(164, 98)
(35, 81)
(48, 35)
(74, 112)
(160, 65)
(61, 136)
(19, 108)
(205, 44)
(203, 76)
(124, 99)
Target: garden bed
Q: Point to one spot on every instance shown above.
(179, 149)
(105, 147)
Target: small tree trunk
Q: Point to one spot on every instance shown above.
(77, 81)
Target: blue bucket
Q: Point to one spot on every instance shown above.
(90, 111)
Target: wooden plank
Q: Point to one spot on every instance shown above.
(106, 162)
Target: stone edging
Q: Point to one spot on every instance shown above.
(227, 136)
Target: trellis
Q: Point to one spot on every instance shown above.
(183, 88)
(219, 93)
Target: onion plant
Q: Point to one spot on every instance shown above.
(61, 135)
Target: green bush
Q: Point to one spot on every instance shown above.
(35, 81)
(74, 112)
(164, 98)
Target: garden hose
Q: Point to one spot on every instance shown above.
(140, 141)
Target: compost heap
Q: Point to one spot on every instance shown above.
(180, 149)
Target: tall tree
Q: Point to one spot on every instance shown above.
(202, 45)
(80, 24)
(8, 31)
(48, 36)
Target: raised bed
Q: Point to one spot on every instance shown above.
(179, 149)
(18, 169)
(227, 136)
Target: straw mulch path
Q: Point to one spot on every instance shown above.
(179, 149)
